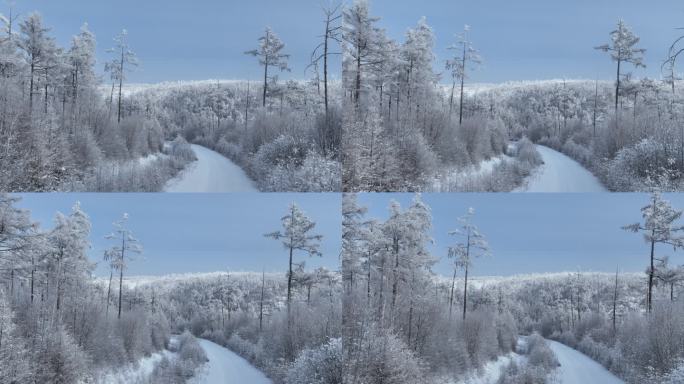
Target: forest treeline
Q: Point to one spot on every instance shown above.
(66, 127)
(404, 323)
(59, 130)
(411, 127)
(58, 324)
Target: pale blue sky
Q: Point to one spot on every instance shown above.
(198, 232)
(190, 40)
(539, 39)
(530, 233)
(519, 40)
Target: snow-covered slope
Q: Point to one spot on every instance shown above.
(577, 368)
(225, 367)
(212, 172)
(559, 173)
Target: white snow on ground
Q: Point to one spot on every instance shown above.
(212, 172)
(559, 173)
(133, 373)
(226, 367)
(577, 368)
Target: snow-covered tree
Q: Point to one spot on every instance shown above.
(623, 49)
(472, 244)
(658, 227)
(458, 65)
(270, 55)
(36, 44)
(296, 236)
(123, 61)
(126, 245)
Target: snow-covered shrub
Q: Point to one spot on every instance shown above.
(181, 149)
(506, 332)
(540, 365)
(580, 153)
(60, 360)
(135, 334)
(384, 358)
(540, 354)
(190, 350)
(475, 134)
(527, 152)
(190, 357)
(634, 166)
(514, 373)
(316, 174)
(321, 365)
(480, 336)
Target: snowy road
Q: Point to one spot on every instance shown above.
(225, 367)
(212, 172)
(559, 173)
(577, 368)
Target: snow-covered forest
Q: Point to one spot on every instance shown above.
(64, 126)
(61, 324)
(409, 126)
(289, 144)
(59, 131)
(404, 323)
(58, 325)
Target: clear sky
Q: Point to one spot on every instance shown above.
(189, 40)
(519, 40)
(534, 233)
(539, 39)
(198, 232)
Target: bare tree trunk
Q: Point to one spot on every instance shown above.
(247, 106)
(451, 294)
(121, 75)
(109, 288)
(460, 114)
(263, 99)
(615, 294)
(123, 255)
(465, 292)
(650, 275)
(595, 107)
(261, 301)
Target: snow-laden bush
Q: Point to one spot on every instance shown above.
(181, 149)
(527, 153)
(384, 357)
(321, 365)
(540, 354)
(288, 165)
(525, 374)
(580, 153)
(646, 162)
(190, 350)
(540, 365)
(190, 357)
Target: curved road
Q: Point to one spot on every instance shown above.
(226, 367)
(578, 368)
(559, 173)
(212, 172)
